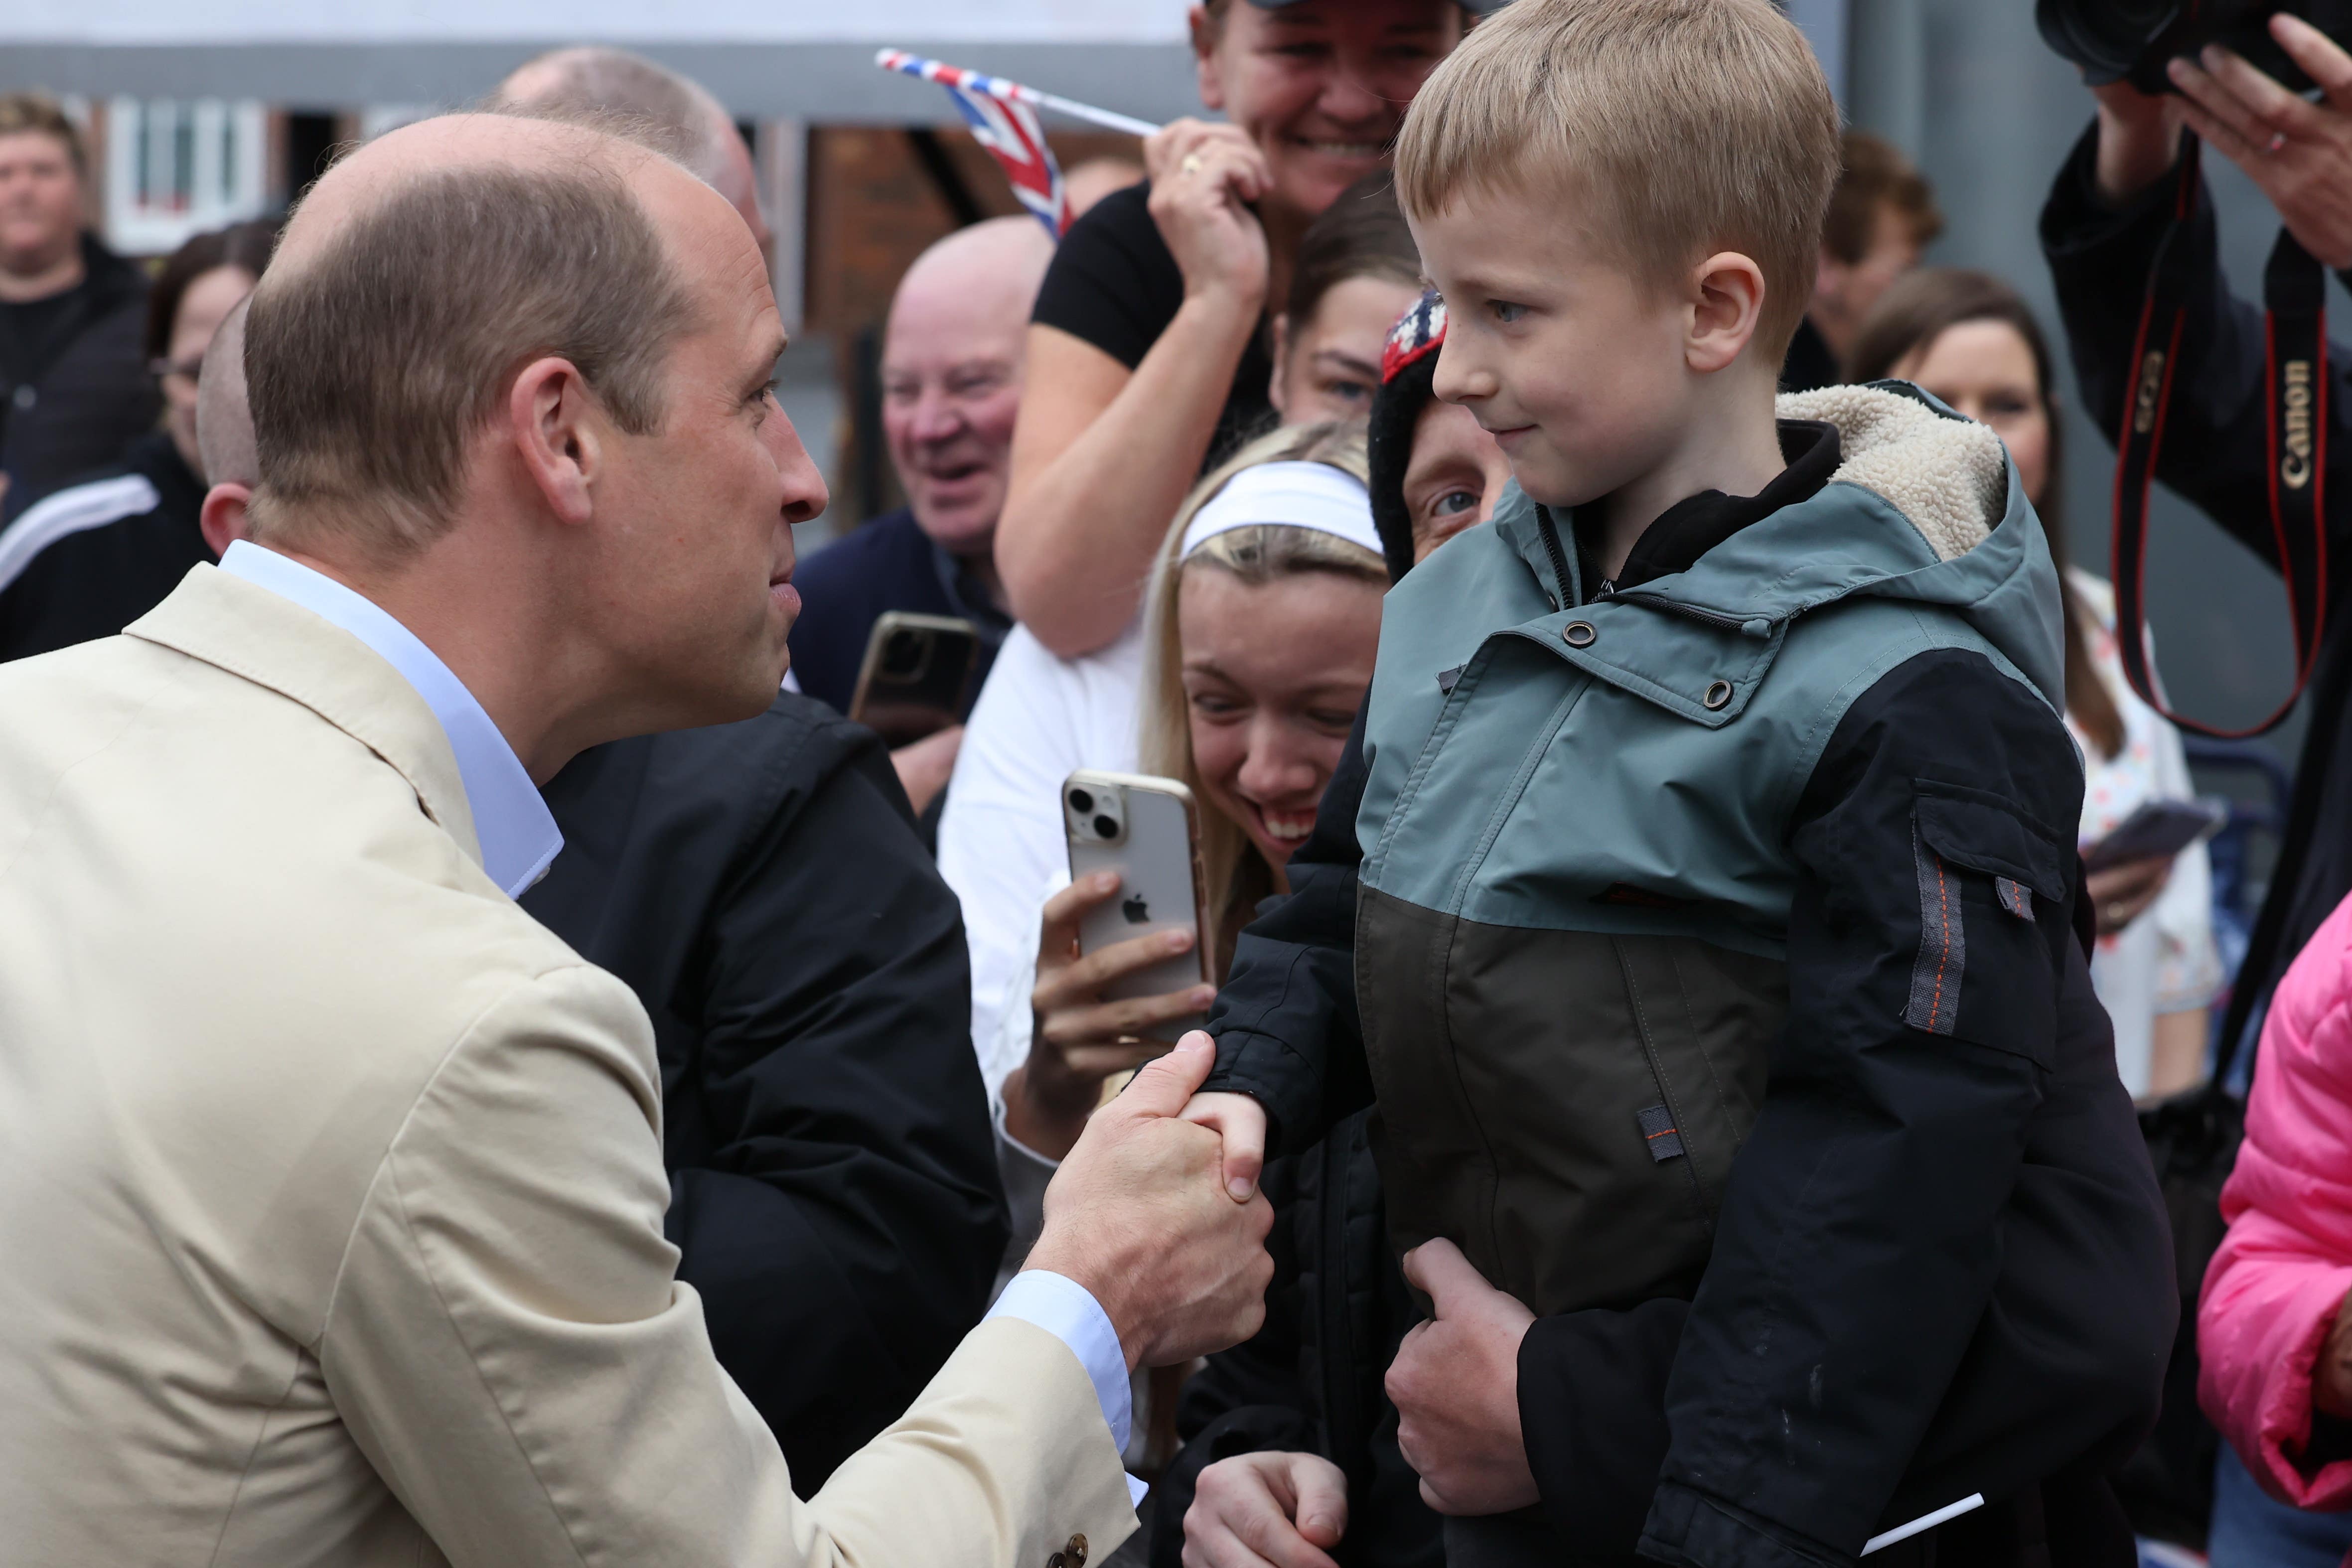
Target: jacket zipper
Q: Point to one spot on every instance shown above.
(1559, 556)
(1714, 618)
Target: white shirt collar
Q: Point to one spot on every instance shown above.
(519, 837)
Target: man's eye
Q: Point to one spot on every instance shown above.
(1348, 392)
(1505, 311)
(1455, 502)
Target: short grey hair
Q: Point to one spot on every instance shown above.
(591, 81)
(372, 366)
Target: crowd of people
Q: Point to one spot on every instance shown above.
(497, 1067)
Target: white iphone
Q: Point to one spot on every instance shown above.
(1147, 831)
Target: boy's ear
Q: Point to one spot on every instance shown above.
(1727, 303)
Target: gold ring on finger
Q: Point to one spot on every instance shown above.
(1191, 164)
(1131, 1040)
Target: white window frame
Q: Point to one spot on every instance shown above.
(228, 169)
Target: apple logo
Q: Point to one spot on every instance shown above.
(1136, 909)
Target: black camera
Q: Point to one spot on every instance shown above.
(2132, 40)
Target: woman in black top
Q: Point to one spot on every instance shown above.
(1149, 340)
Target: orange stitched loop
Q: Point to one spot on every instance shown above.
(1944, 905)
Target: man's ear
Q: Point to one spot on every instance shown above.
(223, 517)
(1727, 302)
(1204, 50)
(557, 428)
(1277, 392)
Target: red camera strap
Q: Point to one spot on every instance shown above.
(2294, 392)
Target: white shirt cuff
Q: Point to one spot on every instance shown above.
(1068, 1311)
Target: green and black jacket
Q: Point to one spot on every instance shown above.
(1705, 940)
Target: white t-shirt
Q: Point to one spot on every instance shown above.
(1002, 849)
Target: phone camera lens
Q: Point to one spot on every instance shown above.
(1108, 826)
(902, 655)
(1081, 802)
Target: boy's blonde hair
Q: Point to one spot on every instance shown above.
(1686, 127)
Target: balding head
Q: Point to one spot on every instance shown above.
(588, 80)
(224, 420)
(951, 376)
(421, 270)
(510, 380)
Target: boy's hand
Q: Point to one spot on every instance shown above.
(1455, 1382)
(1137, 1216)
(1241, 1122)
(1253, 1509)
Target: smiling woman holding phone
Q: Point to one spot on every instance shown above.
(1264, 616)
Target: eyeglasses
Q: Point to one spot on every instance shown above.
(188, 370)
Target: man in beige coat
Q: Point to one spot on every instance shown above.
(330, 1184)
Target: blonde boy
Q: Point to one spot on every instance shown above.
(1739, 1079)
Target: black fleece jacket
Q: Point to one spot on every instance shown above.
(833, 1173)
(76, 400)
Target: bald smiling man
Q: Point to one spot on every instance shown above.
(330, 1183)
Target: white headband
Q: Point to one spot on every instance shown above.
(1291, 496)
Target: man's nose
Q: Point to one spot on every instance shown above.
(805, 496)
(938, 417)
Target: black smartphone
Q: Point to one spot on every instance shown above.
(2158, 830)
(917, 675)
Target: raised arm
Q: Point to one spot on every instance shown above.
(2108, 211)
(1104, 451)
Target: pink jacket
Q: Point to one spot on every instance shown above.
(2272, 1292)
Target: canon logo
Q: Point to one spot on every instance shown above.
(2295, 468)
(2151, 382)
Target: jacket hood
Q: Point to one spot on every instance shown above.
(1924, 506)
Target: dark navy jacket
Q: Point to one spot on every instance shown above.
(833, 1173)
(888, 564)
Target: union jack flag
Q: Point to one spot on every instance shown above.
(1006, 127)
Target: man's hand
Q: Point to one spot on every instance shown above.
(2331, 1374)
(2299, 153)
(1455, 1382)
(1139, 1215)
(2139, 139)
(1254, 1511)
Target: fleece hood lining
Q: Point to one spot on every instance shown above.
(1948, 477)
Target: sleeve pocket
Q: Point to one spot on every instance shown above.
(1989, 880)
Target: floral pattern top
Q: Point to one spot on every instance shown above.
(2165, 961)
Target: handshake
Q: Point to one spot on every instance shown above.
(1157, 1212)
